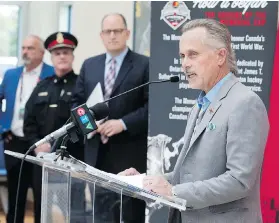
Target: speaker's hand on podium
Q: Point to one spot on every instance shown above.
(157, 184)
(46, 148)
(129, 172)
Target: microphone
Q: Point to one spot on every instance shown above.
(84, 117)
(172, 79)
(83, 120)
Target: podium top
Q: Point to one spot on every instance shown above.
(81, 170)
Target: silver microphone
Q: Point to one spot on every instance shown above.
(55, 135)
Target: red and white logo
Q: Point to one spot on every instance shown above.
(175, 13)
(80, 111)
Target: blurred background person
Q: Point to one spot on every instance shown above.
(16, 88)
(52, 98)
(122, 138)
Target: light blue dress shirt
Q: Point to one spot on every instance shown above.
(204, 100)
(119, 60)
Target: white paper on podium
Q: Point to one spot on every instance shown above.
(95, 97)
(135, 180)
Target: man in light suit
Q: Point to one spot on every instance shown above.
(122, 139)
(16, 87)
(218, 170)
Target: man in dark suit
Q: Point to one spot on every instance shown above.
(16, 88)
(122, 138)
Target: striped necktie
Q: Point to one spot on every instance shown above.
(109, 83)
(110, 79)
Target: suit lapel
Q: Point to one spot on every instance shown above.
(188, 134)
(100, 74)
(17, 76)
(192, 123)
(190, 130)
(43, 74)
(14, 86)
(123, 71)
(209, 114)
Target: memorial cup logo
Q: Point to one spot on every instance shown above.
(175, 14)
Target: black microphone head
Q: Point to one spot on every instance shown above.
(174, 79)
(100, 110)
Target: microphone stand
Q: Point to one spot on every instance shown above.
(63, 149)
(73, 137)
(57, 141)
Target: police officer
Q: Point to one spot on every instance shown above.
(48, 108)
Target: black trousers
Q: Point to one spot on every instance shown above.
(12, 165)
(174, 216)
(107, 203)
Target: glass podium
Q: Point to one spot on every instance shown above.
(66, 182)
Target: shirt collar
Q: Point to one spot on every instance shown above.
(64, 78)
(119, 58)
(36, 70)
(204, 99)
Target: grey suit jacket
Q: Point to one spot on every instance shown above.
(218, 169)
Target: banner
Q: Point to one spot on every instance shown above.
(253, 28)
(270, 175)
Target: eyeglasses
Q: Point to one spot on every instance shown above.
(115, 31)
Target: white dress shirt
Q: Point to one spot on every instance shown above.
(27, 83)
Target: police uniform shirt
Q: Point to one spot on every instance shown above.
(49, 106)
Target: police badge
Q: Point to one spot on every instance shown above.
(59, 38)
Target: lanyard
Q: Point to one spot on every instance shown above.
(21, 88)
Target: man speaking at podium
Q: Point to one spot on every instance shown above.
(218, 169)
